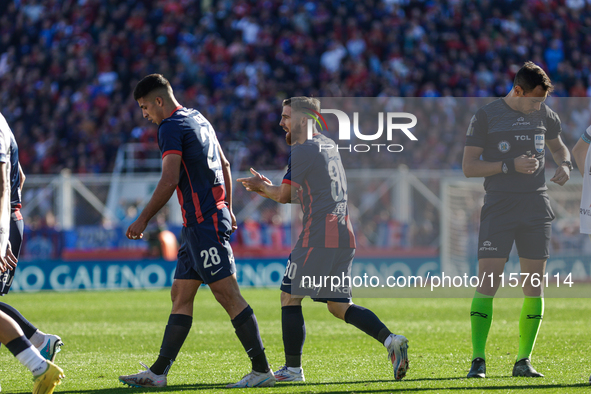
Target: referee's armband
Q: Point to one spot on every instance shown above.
(508, 166)
(587, 135)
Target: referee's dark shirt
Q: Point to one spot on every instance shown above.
(504, 133)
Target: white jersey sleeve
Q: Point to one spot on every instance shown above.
(5, 135)
(585, 211)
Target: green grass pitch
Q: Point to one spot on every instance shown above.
(107, 333)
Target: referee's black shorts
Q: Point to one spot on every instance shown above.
(523, 218)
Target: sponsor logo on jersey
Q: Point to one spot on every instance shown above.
(521, 122)
(504, 146)
(539, 141)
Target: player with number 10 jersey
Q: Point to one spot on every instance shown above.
(316, 180)
(319, 176)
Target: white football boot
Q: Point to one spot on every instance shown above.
(145, 378)
(286, 375)
(255, 379)
(397, 354)
(50, 347)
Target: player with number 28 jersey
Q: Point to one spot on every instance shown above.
(201, 194)
(201, 189)
(194, 165)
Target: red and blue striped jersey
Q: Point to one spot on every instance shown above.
(320, 178)
(201, 190)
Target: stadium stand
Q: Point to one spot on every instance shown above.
(67, 67)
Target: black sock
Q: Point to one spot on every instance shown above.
(18, 345)
(368, 322)
(23, 323)
(247, 331)
(176, 332)
(294, 334)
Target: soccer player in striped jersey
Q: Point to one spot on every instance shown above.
(194, 165)
(316, 179)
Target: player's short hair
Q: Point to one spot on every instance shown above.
(151, 83)
(531, 75)
(303, 102)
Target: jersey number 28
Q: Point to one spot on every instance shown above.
(207, 134)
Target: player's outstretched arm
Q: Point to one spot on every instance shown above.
(171, 168)
(560, 154)
(260, 184)
(580, 153)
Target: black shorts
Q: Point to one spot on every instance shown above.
(523, 218)
(313, 268)
(205, 253)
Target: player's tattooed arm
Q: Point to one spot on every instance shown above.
(171, 168)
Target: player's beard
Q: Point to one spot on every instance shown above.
(293, 135)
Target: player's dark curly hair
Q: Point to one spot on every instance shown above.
(149, 84)
(531, 75)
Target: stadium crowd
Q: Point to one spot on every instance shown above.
(67, 67)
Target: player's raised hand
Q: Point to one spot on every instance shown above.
(136, 230)
(526, 165)
(561, 176)
(10, 258)
(255, 183)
